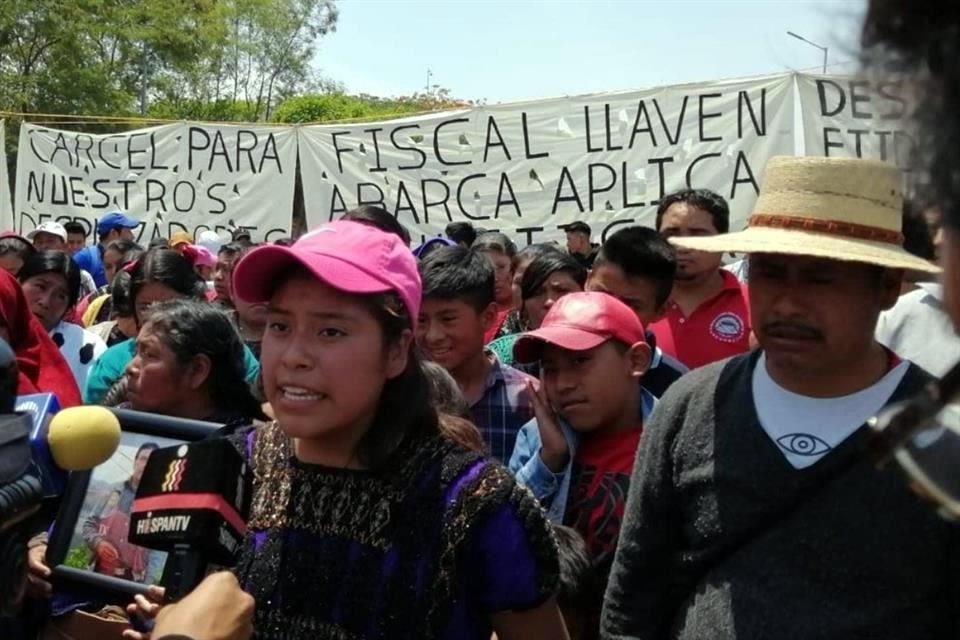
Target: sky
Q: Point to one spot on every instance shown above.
(504, 51)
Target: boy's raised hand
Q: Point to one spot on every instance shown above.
(554, 451)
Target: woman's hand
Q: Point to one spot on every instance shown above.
(144, 608)
(218, 609)
(38, 573)
(542, 623)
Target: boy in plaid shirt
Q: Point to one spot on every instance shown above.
(457, 309)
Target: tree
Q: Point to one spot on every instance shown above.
(99, 56)
(118, 56)
(267, 52)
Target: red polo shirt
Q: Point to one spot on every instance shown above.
(717, 329)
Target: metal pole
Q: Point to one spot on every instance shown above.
(825, 50)
(144, 73)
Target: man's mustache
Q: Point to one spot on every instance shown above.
(791, 329)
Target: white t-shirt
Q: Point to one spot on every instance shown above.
(805, 429)
(740, 270)
(918, 329)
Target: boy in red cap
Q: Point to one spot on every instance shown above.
(577, 454)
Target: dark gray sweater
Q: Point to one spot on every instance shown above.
(864, 558)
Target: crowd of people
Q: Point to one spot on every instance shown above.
(623, 440)
(658, 435)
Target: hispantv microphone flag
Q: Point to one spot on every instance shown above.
(195, 495)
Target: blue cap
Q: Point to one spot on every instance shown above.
(115, 220)
(429, 245)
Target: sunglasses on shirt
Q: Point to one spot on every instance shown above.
(922, 435)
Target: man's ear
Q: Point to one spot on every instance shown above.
(639, 355)
(488, 315)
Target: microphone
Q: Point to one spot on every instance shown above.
(75, 439)
(20, 485)
(41, 407)
(81, 438)
(9, 377)
(192, 502)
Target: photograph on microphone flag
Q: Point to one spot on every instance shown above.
(99, 542)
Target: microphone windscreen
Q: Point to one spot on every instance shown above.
(81, 438)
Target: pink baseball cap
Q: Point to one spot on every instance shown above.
(348, 256)
(199, 255)
(581, 321)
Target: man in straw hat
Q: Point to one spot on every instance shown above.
(752, 513)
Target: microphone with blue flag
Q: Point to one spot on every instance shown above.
(41, 407)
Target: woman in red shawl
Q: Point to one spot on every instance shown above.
(42, 368)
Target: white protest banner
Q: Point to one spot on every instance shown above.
(176, 177)
(6, 208)
(853, 117)
(530, 168)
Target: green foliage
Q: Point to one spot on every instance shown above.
(318, 108)
(199, 110)
(118, 56)
(96, 55)
(339, 106)
(204, 60)
(78, 557)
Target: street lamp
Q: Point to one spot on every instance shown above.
(813, 44)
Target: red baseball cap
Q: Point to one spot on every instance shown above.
(348, 256)
(581, 321)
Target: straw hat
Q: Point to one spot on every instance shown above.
(838, 208)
